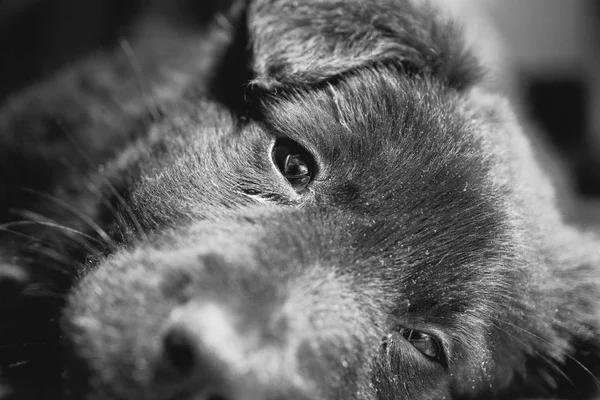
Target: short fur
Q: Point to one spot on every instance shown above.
(140, 194)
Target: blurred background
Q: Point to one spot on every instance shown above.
(554, 46)
(546, 55)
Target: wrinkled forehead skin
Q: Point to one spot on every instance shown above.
(402, 227)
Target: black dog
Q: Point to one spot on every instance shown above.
(308, 200)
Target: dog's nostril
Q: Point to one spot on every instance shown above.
(180, 351)
(216, 397)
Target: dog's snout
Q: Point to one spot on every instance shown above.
(199, 352)
(207, 351)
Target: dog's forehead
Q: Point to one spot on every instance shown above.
(404, 163)
(372, 112)
(385, 134)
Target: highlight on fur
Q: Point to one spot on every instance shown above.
(286, 200)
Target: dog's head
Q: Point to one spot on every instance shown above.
(366, 234)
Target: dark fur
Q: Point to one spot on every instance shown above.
(428, 212)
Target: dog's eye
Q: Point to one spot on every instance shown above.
(294, 163)
(425, 343)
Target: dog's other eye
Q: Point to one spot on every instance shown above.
(294, 163)
(425, 343)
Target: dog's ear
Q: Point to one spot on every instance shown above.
(307, 42)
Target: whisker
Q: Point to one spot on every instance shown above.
(547, 359)
(541, 339)
(144, 85)
(38, 292)
(47, 252)
(19, 234)
(17, 363)
(58, 258)
(93, 188)
(110, 186)
(128, 209)
(75, 211)
(61, 228)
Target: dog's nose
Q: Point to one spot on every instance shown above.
(203, 357)
(181, 350)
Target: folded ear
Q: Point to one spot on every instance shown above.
(311, 41)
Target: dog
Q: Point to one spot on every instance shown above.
(286, 200)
